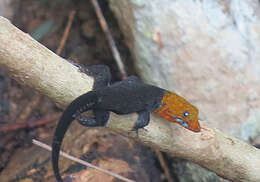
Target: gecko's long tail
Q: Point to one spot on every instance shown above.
(81, 104)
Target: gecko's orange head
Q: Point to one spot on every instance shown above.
(176, 109)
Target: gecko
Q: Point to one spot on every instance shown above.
(124, 97)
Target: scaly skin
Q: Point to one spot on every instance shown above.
(124, 97)
(176, 109)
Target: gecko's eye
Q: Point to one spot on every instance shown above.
(185, 114)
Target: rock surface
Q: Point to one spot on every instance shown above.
(207, 51)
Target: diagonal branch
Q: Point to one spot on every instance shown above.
(32, 64)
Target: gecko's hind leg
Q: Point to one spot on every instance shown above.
(100, 119)
(101, 74)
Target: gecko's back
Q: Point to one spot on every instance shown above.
(127, 97)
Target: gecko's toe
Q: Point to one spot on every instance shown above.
(136, 129)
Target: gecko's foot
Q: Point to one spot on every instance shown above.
(87, 122)
(82, 69)
(137, 129)
(257, 146)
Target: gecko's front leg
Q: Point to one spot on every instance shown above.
(142, 121)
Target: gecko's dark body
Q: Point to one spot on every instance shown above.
(124, 97)
(129, 96)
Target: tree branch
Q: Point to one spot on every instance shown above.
(32, 64)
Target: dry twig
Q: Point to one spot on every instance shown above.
(47, 147)
(110, 39)
(164, 165)
(27, 110)
(12, 127)
(66, 32)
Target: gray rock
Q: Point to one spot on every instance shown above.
(207, 51)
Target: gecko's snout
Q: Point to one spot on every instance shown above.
(194, 126)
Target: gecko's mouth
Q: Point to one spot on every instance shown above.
(181, 122)
(193, 125)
